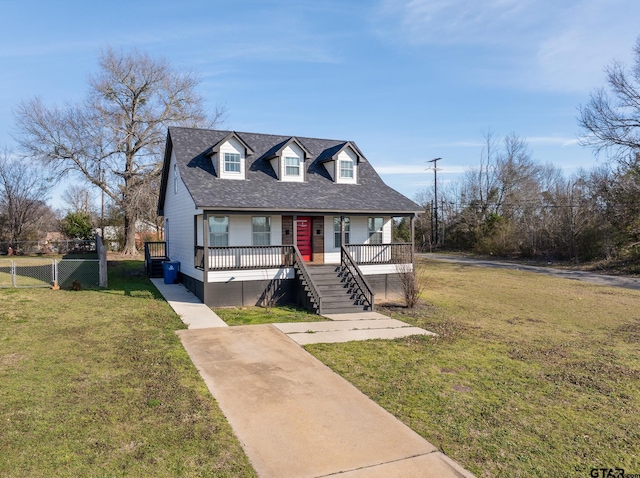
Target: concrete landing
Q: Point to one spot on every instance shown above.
(349, 327)
(305, 333)
(296, 418)
(356, 316)
(192, 312)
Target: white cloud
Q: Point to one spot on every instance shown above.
(552, 140)
(532, 44)
(418, 169)
(455, 21)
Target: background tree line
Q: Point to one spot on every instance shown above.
(510, 204)
(111, 142)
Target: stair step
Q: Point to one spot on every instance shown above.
(342, 310)
(328, 280)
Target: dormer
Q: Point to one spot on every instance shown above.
(288, 160)
(341, 162)
(229, 157)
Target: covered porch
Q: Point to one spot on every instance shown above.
(326, 263)
(225, 258)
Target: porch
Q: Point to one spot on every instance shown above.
(221, 258)
(319, 262)
(248, 275)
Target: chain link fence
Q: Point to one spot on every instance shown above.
(40, 272)
(29, 248)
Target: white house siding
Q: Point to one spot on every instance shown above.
(251, 275)
(373, 269)
(179, 210)
(359, 234)
(344, 155)
(330, 166)
(291, 150)
(232, 146)
(241, 234)
(200, 231)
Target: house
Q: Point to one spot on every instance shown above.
(264, 218)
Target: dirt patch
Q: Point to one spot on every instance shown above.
(462, 388)
(521, 320)
(421, 309)
(10, 360)
(630, 333)
(448, 370)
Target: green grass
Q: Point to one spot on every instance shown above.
(97, 383)
(530, 376)
(262, 315)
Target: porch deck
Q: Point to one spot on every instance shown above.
(155, 253)
(258, 257)
(332, 287)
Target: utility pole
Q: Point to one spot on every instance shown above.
(435, 185)
(101, 172)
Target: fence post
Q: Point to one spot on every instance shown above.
(56, 286)
(13, 274)
(102, 257)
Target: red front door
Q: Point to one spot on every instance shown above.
(303, 232)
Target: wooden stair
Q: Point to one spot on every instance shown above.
(154, 268)
(339, 296)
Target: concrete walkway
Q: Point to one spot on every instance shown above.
(349, 327)
(295, 417)
(192, 312)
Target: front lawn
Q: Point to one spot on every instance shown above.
(96, 383)
(530, 376)
(262, 315)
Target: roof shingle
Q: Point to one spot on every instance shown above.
(262, 191)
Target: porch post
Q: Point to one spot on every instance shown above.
(341, 231)
(412, 221)
(295, 231)
(205, 243)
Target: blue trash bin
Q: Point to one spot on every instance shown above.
(170, 270)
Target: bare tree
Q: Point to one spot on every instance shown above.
(611, 119)
(78, 198)
(114, 138)
(23, 191)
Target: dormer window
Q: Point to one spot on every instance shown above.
(292, 165)
(231, 163)
(229, 157)
(346, 169)
(288, 160)
(342, 162)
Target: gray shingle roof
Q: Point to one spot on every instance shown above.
(262, 190)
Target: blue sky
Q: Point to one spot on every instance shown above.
(407, 80)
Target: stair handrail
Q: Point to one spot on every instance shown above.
(348, 264)
(147, 259)
(313, 288)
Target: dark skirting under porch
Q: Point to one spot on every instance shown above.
(283, 291)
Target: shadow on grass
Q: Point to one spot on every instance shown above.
(128, 278)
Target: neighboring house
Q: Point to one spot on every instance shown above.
(248, 216)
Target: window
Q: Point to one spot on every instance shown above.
(261, 228)
(375, 230)
(336, 231)
(175, 179)
(292, 166)
(218, 231)
(231, 163)
(346, 168)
